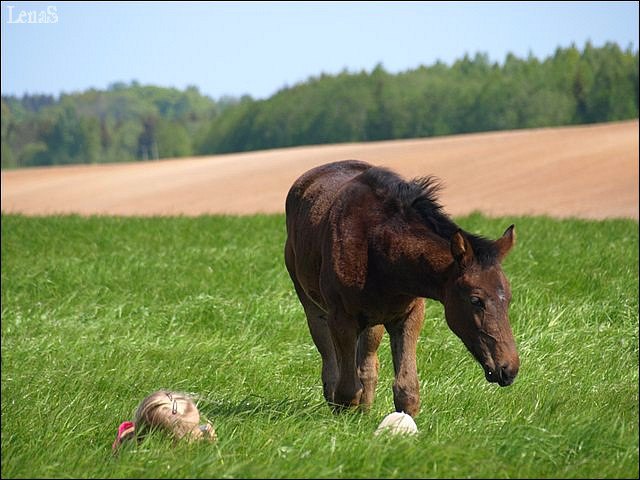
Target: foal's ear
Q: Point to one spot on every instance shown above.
(506, 242)
(461, 250)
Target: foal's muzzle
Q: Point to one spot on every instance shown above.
(503, 375)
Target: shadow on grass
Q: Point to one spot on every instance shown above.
(255, 405)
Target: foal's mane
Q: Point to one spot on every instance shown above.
(421, 195)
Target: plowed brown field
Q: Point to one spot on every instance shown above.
(583, 171)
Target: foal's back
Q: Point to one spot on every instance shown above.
(313, 193)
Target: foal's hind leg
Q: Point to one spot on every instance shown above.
(344, 332)
(368, 364)
(317, 321)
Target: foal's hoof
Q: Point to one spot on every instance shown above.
(342, 404)
(339, 408)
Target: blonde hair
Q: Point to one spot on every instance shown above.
(173, 412)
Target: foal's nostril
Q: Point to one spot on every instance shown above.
(504, 374)
(490, 375)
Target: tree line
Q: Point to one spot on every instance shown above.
(129, 122)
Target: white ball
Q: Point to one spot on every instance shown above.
(397, 423)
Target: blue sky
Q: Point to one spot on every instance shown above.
(256, 48)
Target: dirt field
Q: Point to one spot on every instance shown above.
(586, 171)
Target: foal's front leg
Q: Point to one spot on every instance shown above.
(404, 338)
(344, 333)
(368, 364)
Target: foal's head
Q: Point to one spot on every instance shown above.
(476, 303)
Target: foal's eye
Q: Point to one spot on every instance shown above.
(476, 301)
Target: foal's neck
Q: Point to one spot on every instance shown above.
(417, 263)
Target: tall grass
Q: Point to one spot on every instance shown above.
(98, 312)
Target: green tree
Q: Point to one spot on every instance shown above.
(129, 122)
(172, 140)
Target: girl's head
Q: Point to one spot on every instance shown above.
(174, 412)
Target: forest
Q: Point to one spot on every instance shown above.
(133, 122)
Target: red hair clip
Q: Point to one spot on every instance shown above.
(126, 430)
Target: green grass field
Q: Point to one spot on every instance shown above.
(99, 312)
